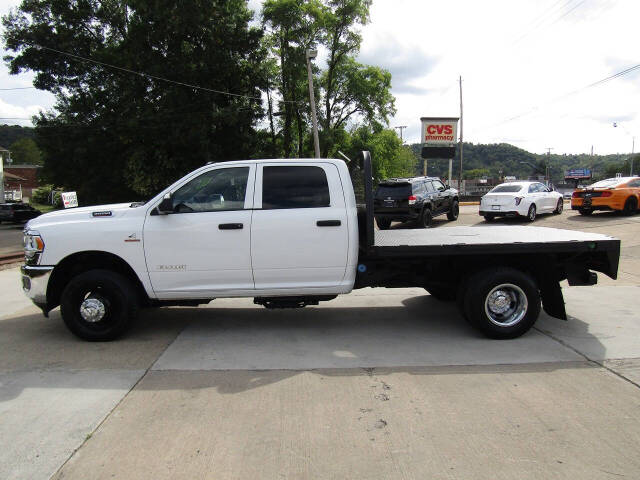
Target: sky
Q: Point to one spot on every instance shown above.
(526, 69)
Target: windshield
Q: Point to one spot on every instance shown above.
(506, 189)
(608, 183)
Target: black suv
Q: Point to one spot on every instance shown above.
(17, 212)
(416, 199)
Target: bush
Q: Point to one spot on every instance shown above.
(42, 195)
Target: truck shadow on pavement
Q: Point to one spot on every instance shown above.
(418, 335)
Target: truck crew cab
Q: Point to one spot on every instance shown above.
(289, 233)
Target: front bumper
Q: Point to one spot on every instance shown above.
(34, 284)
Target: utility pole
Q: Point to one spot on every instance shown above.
(633, 148)
(316, 142)
(461, 141)
(401, 128)
(2, 177)
(548, 164)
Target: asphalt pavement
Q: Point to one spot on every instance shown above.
(381, 383)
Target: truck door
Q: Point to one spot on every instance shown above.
(299, 235)
(203, 247)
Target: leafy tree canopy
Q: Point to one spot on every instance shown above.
(25, 152)
(119, 133)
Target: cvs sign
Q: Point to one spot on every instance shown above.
(439, 130)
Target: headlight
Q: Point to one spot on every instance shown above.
(33, 247)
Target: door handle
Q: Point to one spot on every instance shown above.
(328, 223)
(230, 226)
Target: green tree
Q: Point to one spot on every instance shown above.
(26, 152)
(294, 27)
(476, 173)
(389, 158)
(118, 134)
(349, 89)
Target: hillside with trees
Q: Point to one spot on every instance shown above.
(503, 159)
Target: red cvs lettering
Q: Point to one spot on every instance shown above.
(439, 129)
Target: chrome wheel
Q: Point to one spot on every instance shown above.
(531, 216)
(92, 309)
(505, 305)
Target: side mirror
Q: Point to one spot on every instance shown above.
(446, 186)
(166, 205)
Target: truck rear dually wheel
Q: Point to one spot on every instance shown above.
(502, 302)
(98, 305)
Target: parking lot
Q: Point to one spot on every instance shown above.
(378, 384)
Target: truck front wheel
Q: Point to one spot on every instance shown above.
(502, 302)
(98, 305)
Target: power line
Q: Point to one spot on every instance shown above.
(539, 22)
(16, 88)
(567, 13)
(148, 75)
(569, 94)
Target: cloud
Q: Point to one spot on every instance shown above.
(408, 64)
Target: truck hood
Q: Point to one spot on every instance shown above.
(93, 213)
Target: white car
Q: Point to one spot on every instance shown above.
(525, 199)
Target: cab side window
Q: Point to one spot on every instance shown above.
(215, 190)
(294, 187)
(533, 188)
(634, 184)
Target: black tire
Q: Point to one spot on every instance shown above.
(585, 211)
(488, 218)
(630, 206)
(453, 212)
(444, 294)
(383, 224)
(426, 219)
(114, 292)
(531, 214)
(503, 284)
(559, 207)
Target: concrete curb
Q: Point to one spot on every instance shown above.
(469, 203)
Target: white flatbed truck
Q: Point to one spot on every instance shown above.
(289, 233)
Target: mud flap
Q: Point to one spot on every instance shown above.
(553, 300)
